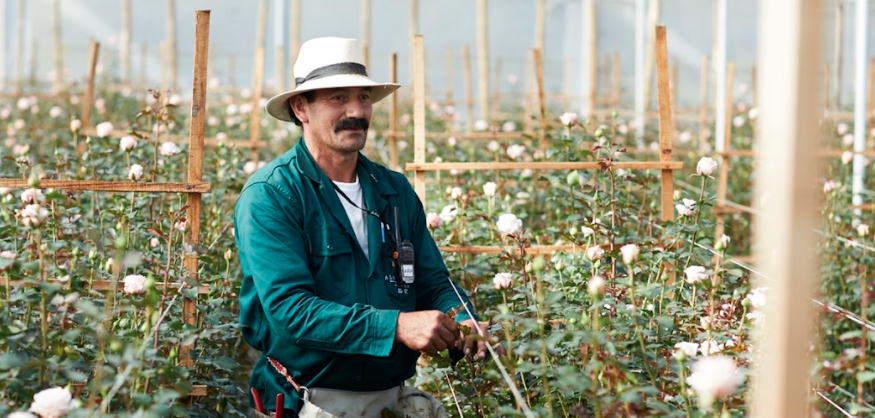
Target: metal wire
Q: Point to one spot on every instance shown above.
(829, 401)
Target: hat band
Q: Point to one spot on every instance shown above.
(333, 69)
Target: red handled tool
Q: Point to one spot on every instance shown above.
(258, 405)
(280, 402)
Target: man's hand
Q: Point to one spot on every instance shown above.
(426, 331)
(467, 345)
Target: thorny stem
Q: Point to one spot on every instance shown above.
(684, 387)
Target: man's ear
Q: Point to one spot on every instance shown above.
(299, 107)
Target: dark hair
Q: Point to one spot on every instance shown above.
(310, 96)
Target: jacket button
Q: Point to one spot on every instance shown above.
(330, 247)
(358, 378)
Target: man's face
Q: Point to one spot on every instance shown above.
(337, 118)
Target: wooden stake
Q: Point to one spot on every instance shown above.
(413, 27)
(482, 62)
(366, 30)
(496, 88)
(281, 70)
(666, 127)
(261, 25)
(19, 49)
(419, 116)
(469, 90)
(255, 116)
(540, 23)
(592, 23)
(786, 252)
(837, 58)
(144, 59)
(450, 79)
(295, 35)
(196, 163)
(34, 59)
(652, 20)
(165, 65)
(542, 110)
(393, 113)
(59, 47)
(723, 179)
(171, 43)
(88, 100)
(125, 43)
(673, 84)
(826, 97)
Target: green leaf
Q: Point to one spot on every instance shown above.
(865, 376)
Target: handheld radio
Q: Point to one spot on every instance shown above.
(406, 258)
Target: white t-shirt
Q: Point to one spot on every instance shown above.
(357, 217)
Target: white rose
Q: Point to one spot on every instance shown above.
(706, 166)
(75, 125)
(21, 414)
(757, 297)
(175, 100)
(169, 149)
(623, 129)
(493, 146)
(586, 231)
(136, 172)
(683, 210)
(489, 189)
(516, 151)
(52, 403)
(630, 253)
(31, 196)
(847, 157)
(714, 377)
(689, 349)
(180, 225)
(127, 143)
(456, 192)
(862, 230)
(433, 220)
(738, 121)
(508, 126)
(55, 112)
(722, 242)
(568, 119)
(695, 274)
(594, 252)
(508, 223)
(502, 281)
(154, 242)
(135, 284)
(848, 139)
(596, 286)
(23, 103)
(33, 215)
(104, 129)
(448, 213)
(830, 186)
(250, 167)
(481, 125)
(842, 128)
(753, 113)
(685, 137)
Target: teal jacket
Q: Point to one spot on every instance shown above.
(310, 299)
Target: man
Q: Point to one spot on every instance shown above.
(343, 285)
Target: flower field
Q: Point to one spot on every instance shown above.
(637, 317)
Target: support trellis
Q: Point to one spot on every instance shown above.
(665, 164)
(194, 188)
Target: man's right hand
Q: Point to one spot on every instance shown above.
(426, 331)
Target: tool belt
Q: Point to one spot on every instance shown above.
(403, 401)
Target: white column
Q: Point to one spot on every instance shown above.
(720, 66)
(640, 40)
(860, 131)
(791, 89)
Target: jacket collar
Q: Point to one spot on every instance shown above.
(305, 164)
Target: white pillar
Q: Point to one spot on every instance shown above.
(860, 131)
(587, 44)
(3, 45)
(640, 40)
(720, 66)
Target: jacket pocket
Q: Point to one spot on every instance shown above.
(331, 262)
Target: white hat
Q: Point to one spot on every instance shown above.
(325, 63)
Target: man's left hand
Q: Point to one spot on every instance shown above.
(472, 347)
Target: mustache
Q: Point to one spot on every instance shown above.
(352, 123)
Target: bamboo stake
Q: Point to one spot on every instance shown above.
(111, 186)
(19, 49)
(539, 71)
(59, 47)
(255, 117)
(88, 100)
(125, 43)
(419, 116)
(789, 54)
(393, 113)
(723, 178)
(196, 163)
(482, 62)
(469, 91)
(171, 43)
(366, 30)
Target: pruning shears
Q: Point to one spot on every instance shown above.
(259, 405)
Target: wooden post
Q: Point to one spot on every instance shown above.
(528, 93)
(450, 79)
(144, 59)
(125, 44)
(592, 48)
(826, 96)
(393, 114)
(59, 47)
(171, 43)
(280, 69)
(673, 88)
(196, 164)
(871, 94)
(295, 37)
(34, 63)
(496, 88)
(469, 90)
(540, 23)
(789, 58)
(666, 130)
(261, 25)
(366, 30)
(703, 97)
(723, 178)
(652, 20)
(413, 28)
(542, 103)
(837, 58)
(88, 100)
(255, 116)
(19, 48)
(165, 65)
(482, 62)
(419, 116)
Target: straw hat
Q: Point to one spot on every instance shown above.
(327, 63)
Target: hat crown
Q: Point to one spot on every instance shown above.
(321, 52)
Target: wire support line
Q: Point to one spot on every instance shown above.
(849, 394)
(453, 392)
(834, 405)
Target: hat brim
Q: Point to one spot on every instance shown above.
(278, 106)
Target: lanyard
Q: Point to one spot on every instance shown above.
(369, 212)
